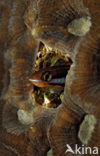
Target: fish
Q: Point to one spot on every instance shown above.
(52, 77)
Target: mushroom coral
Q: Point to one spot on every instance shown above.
(72, 27)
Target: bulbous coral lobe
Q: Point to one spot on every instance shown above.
(81, 90)
(17, 63)
(56, 32)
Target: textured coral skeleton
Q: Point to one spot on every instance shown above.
(72, 27)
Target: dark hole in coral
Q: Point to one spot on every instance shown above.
(46, 58)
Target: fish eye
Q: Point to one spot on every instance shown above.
(47, 76)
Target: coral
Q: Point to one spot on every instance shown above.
(86, 129)
(73, 28)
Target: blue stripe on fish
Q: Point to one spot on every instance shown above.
(58, 81)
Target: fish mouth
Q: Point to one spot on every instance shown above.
(33, 80)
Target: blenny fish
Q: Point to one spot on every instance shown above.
(52, 77)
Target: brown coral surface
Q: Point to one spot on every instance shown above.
(72, 27)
